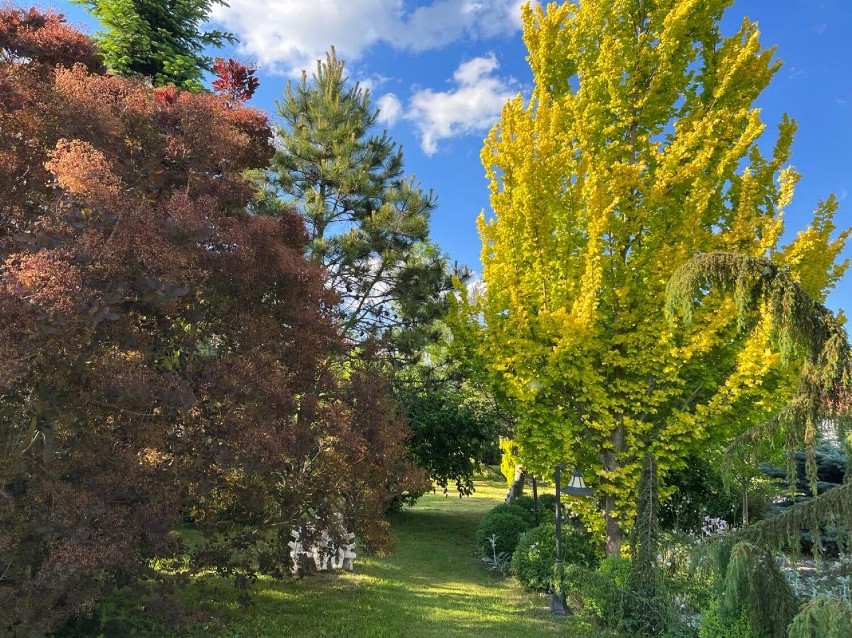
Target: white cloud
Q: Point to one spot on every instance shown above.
(372, 82)
(471, 107)
(445, 21)
(289, 35)
(390, 108)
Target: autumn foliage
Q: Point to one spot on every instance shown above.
(234, 79)
(164, 355)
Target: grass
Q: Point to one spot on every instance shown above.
(433, 585)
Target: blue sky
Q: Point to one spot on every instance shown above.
(441, 70)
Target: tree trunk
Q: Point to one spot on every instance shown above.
(614, 535)
(517, 487)
(613, 529)
(535, 501)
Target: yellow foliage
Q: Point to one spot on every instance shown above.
(509, 459)
(637, 149)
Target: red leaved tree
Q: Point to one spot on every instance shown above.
(163, 353)
(234, 79)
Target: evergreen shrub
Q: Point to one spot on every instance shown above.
(507, 527)
(712, 625)
(535, 557)
(526, 501)
(822, 618)
(754, 585)
(546, 505)
(516, 510)
(601, 595)
(616, 569)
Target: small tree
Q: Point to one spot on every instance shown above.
(644, 608)
(804, 330)
(454, 425)
(234, 80)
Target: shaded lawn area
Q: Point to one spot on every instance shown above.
(433, 585)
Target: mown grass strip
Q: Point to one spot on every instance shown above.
(432, 586)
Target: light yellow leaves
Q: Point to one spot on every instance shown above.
(638, 148)
(813, 253)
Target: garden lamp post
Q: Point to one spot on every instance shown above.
(576, 487)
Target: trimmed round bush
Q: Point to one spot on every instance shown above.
(512, 508)
(579, 546)
(535, 557)
(526, 501)
(507, 527)
(546, 505)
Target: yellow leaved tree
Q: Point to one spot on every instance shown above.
(638, 149)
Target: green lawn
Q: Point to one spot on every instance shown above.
(433, 585)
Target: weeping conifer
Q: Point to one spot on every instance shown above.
(808, 334)
(755, 584)
(645, 611)
(822, 618)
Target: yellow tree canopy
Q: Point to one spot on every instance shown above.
(639, 148)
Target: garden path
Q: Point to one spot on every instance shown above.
(432, 586)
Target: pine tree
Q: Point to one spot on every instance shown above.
(157, 39)
(368, 224)
(638, 149)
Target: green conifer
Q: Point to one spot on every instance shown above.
(157, 39)
(368, 224)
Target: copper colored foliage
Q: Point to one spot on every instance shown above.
(163, 354)
(45, 39)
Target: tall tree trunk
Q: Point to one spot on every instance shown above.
(613, 529)
(614, 534)
(517, 487)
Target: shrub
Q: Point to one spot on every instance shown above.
(507, 527)
(525, 501)
(712, 625)
(616, 569)
(547, 503)
(755, 586)
(512, 508)
(603, 591)
(822, 618)
(579, 547)
(535, 556)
